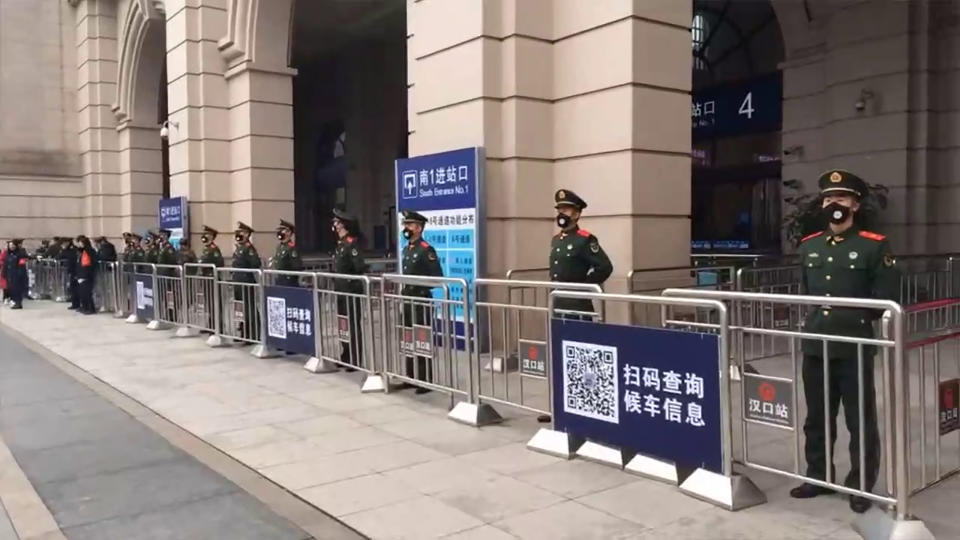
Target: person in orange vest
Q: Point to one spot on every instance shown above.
(86, 275)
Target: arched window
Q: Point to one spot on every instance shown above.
(699, 30)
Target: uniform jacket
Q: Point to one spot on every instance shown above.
(420, 259)
(348, 259)
(855, 264)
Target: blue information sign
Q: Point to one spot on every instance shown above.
(447, 189)
(143, 295)
(174, 215)
(652, 391)
(290, 319)
(754, 106)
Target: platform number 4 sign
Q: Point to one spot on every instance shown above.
(746, 106)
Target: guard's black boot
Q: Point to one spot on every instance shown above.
(809, 491)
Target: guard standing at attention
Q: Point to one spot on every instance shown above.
(287, 258)
(348, 259)
(42, 250)
(127, 247)
(211, 252)
(165, 252)
(575, 255)
(137, 253)
(185, 255)
(245, 256)
(419, 259)
(210, 255)
(150, 252)
(844, 261)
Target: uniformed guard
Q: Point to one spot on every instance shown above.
(106, 251)
(843, 261)
(127, 249)
(185, 254)
(419, 259)
(165, 252)
(211, 252)
(15, 264)
(245, 256)
(150, 252)
(575, 254)
(86, 275)
(210, 255)
(348, 259)
(287, 258)
(137, 252)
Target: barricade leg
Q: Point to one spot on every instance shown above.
(258, 324)
(324, 314)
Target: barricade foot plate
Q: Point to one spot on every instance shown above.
(500, 365)
(157, 325)
(262, 351)
(474, 414)
(186, 331)
(875, 524)
(316, 365)
(555, 443)
(134, 319)
(603, 454)
(373, 383)
(119, 315)
(734, 492)
(653, 468)
(214, 341)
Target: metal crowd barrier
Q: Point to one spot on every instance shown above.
(105, 291)
(200, 299)
(50, 280)
(126, 304)
(894, 482)
(652, 281)
(511, 357)
(239, 297)
(168, 298)
(141, 298)
(428, 342)
(346, 330)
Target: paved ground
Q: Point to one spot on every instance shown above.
(103, 474)
(383, 463)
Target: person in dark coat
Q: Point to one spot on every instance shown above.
(86, 272)
(419, 259)
(68, 264)
(106, 251)
(348, 259)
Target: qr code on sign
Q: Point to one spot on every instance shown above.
(276, 317)
(590, 382)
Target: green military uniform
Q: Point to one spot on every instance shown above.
(851, 263)
(210, 255)
(246, 256)
(576, 256)
(419, 259)
(166, 255)
(287, 258)
(348, 259)
(151, 253)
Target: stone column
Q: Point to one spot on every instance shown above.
(260, 117)
(198, 110)
(537, 85)
(96, 93)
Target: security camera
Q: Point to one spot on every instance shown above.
(793, 150)
(861, 104)
(165, 128)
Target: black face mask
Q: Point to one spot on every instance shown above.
(408, 234)
(563, 221)
(836, 212)
(280, 237)
(238, 238)
(205, 239)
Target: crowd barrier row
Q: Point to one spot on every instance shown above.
(492, 342)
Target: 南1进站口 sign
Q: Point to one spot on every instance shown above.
(447, 188)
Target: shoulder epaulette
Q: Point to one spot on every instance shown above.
(584, 233)
(873, 236)
(349, 239)
(290, 244)
(808, 237)
(424, 244)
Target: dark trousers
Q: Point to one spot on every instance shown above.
(843, 388)
(351, 352)
(250, 327)
(84, 292)
(420, 315)
(73, 292)
(15, 293)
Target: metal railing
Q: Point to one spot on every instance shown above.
(239, 298)
(168, 295)
(894, 432)
(200, 298)
(511, 357)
